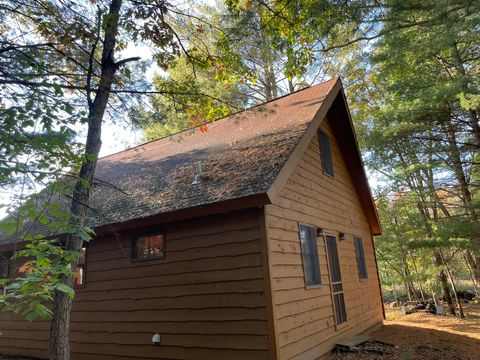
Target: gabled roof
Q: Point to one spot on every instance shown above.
(246, 158)
(241, 155)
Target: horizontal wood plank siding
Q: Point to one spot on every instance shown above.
(305, 317)
(206, 299)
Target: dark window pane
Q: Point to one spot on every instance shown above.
(151, 246)
(361, 264)
(4, 271)
(340, 311)
(337, 287)
(325, 153)
(4, 264)
(311, 264)
(333, 259)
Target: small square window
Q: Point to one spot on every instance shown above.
(149, 247)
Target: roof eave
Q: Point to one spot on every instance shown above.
(226, 206)
(222, 207)
(363, 186)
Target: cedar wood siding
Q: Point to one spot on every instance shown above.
(304, 318)
(206, 299)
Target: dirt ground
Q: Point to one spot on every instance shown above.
(423, 336)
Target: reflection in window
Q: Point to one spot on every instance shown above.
(79, 276)
(149, 247)
(311, 262)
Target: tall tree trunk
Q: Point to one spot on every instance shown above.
(291, 87)
(437, 254)
(454, 157)
(472, 275)
(422, 293)
(473, 264)
(467, 200)
(270, 82)
(444, 282)
(454, 288)
(407, 291)
(459, 65)
(62, 303)
(412, 292)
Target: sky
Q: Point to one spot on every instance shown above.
(118, 137)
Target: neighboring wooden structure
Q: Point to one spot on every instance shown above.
(241, 269)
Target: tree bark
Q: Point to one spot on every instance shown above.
(412, 292)
(422, 293)
(459, 65)
(291, 87)
(454, 288)
(270, 82)
(473, 264)
(444, 283)
(471, 270)
(59, 348)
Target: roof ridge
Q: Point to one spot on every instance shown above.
(219, 119)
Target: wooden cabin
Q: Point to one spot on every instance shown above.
(252, 240)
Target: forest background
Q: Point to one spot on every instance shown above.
(70, 69)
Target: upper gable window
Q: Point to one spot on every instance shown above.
(149, 247)
(325, 153)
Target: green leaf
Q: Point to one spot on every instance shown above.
(66, 289)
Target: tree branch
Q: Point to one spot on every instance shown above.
(124, 61)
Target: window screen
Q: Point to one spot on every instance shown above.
(361, 264)
(311, 264)
(332, 251)
(340, 311)
(336, 279)
(149, 247)
(325, 153)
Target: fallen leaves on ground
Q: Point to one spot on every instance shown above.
(424, 336)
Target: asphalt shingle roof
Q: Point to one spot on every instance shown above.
(241, 155)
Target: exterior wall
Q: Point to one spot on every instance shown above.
(206, 299)
(304, 318)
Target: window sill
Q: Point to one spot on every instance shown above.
(136, 260)
(330, 176)
(341, 326)
(313, 287)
